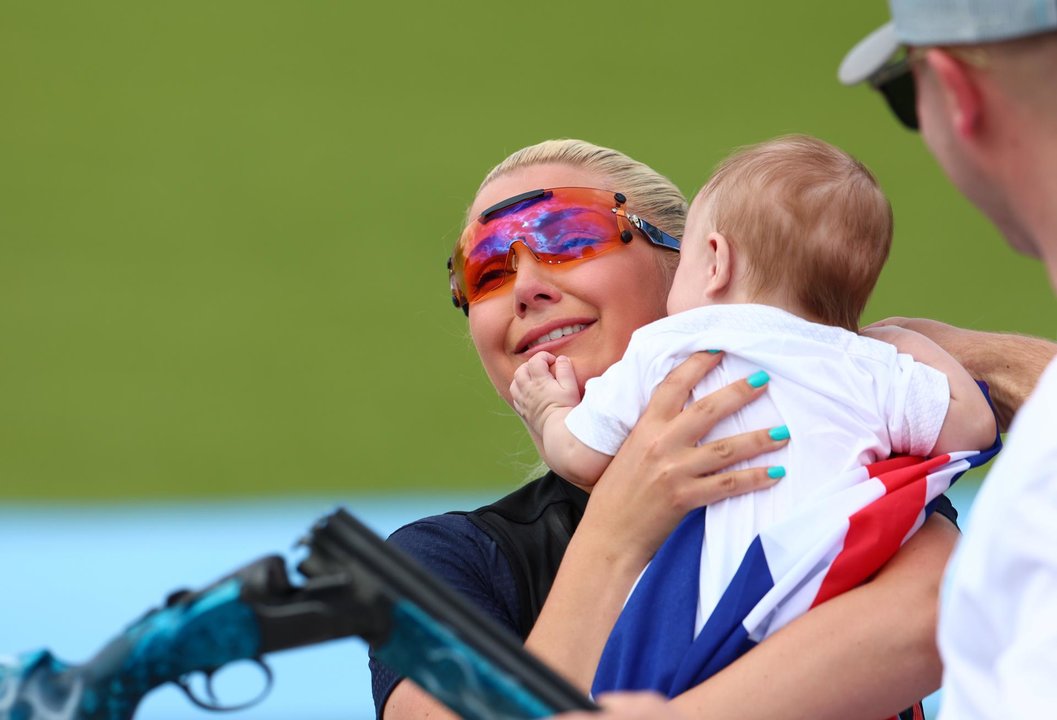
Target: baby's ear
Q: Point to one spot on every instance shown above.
(720, 265)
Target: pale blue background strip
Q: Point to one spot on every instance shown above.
(76, 575)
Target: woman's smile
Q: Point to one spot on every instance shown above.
(550, 333)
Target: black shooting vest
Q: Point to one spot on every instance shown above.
(532, 527)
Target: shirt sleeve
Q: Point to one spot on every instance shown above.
(612, 402)
(464, 557)
(919, 402)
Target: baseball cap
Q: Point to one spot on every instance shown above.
(945, 22)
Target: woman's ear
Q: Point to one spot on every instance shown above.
(720, 267)
(961, 94)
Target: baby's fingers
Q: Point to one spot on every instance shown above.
(538, 365)
(521, 377)
(564, 373)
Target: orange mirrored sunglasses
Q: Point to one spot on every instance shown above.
(556, 225)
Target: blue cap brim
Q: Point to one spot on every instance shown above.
(869, 56)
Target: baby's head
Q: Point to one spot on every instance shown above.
(793, 222)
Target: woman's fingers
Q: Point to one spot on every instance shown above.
(726, 484)
(673, 392)
(718, 455)
(661, 473)
(710, 481)
(702, 415)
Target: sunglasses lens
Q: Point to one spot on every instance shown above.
(901, 95)
(560, 226)
(486, 269)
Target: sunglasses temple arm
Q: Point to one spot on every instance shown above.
(657, 236)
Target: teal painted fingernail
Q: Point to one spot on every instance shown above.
(758, 379)
(779, 433)
(776, 472)
(714, 352)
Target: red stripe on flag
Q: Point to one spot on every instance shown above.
(876, 532)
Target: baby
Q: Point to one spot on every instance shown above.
(782, 248)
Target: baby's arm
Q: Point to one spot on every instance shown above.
(544, 390)
(970, 424)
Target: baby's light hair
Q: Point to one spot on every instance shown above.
(806, 218)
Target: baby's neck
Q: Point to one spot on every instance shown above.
(776, 299)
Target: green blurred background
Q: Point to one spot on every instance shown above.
(224, 225)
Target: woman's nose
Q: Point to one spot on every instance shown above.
(533, 281)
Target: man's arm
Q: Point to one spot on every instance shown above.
(1010, 364)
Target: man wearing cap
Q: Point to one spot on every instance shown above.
(985, 77)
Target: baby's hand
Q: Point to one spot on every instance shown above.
(543, 384)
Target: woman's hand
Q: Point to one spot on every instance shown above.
(658, 476)
(661, 473)
(1009, 364)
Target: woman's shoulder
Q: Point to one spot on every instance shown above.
(531, 501)
(462, 533)
(466, 558)
(437, 535)
(531, 528)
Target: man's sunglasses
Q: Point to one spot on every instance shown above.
(895, 82)
(557, 225)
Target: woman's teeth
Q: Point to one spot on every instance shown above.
(555, 334)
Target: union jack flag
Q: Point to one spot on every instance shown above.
(821, 549)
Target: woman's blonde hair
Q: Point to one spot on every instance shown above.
(650, 194)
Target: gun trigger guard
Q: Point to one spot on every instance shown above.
(213, 705)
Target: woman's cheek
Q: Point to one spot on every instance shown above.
(488, 334)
